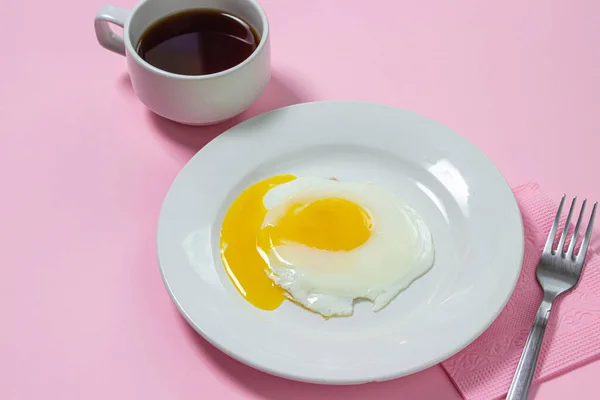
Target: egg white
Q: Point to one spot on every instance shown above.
(399, 250)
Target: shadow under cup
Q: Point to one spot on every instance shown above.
(198, 99)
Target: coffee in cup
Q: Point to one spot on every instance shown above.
(196, 62)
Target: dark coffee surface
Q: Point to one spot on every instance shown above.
(198, 42)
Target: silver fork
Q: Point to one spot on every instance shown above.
(557, 272)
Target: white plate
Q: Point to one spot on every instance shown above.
(465, 201)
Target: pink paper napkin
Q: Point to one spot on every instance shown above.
(484, 370)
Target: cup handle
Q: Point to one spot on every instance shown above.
(106, 37)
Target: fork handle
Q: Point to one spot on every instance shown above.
(519, 388)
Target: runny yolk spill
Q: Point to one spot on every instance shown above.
(332, 224)
(241, 258)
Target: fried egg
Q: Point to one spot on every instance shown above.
(322, 244)
(330, 243)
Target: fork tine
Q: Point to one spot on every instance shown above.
(569, 254)
(552, 234)
(588, 235)
(563, 237)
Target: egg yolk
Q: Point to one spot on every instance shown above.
(239, 252)
(332, 224)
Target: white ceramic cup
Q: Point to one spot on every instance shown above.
(193, 100)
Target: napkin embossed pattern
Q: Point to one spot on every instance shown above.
(484, 370)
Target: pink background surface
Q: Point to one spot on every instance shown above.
(84, 168)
